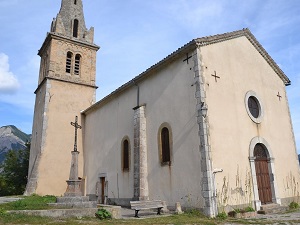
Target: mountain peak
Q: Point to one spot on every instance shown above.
(11, 138)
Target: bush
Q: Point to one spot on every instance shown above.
(103, 214)
(293, 205)
(222, 215)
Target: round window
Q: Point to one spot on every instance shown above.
(253, 106)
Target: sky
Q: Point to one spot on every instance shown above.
(134, 35)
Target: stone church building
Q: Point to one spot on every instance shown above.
(208, 126)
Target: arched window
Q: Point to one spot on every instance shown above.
(125, 155)
(75, 2)
(75, 28)
(77, 64)
(165, 145)
(69, 62)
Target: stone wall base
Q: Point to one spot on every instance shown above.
(59, 213)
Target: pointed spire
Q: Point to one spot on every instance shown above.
(70, 21)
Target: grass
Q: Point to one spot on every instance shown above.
(33, 202)
(36, 202)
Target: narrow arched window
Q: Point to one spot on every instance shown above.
(165, 145)
(77, 64)
(69, 62)
(75, 28)
(125, 155)
(75, 2)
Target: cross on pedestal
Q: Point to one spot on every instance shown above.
(279, 96)
(77, 126)
(215, 76)
(187, 58)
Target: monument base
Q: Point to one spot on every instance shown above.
(73, 188)
(74, 202)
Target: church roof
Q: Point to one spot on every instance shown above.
(208, 40)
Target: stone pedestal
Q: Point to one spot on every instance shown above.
(73, 196)
(73, 188)
(178, 208)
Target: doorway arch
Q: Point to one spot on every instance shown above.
(263, 170)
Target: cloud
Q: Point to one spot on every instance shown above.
(8, 82)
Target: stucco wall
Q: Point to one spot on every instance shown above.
(169, 98)
(63, 106)
(241, 69)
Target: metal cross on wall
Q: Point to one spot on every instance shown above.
(77, 126)
(279, 96)
(187, 58)
(215, 76)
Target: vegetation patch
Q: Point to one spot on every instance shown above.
(33, 202)
(103, 214)
(293, 205)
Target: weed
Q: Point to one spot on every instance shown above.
(293, 205)
(222, 216)
(103, 214)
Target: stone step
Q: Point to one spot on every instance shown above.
(272, 208)
(75, 205)
(72, 199)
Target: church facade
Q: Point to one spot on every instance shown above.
(208, 126)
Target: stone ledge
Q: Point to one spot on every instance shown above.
(59, 213)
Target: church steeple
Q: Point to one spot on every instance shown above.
(70, 21)
(67, 85)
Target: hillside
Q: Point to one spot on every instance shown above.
(11, 138)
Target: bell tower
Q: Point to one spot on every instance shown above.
(66, 86)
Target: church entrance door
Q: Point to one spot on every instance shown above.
(262, 174)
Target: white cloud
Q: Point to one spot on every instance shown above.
(8, 82)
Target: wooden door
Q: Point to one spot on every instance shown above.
(262, 175)
(102, 183)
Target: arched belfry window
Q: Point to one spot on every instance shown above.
(75, 28)
(75, 2)
(165, 144)
(69, 62)
(77, 64)
(125, 155)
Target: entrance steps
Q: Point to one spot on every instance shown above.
(272, 208)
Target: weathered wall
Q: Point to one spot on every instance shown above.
(170, 100)
(241, 69)
(55, 162)
(60, 97)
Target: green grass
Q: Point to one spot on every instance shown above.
(29, 203)
(36, 202)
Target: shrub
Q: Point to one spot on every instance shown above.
(103, 214)
(222, 215)
(293, 205)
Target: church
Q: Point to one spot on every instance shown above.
(208, 126)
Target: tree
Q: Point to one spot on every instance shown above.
(13, 178)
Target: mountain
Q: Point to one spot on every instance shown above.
(11, 138)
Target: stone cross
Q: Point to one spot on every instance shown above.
(77, 126)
